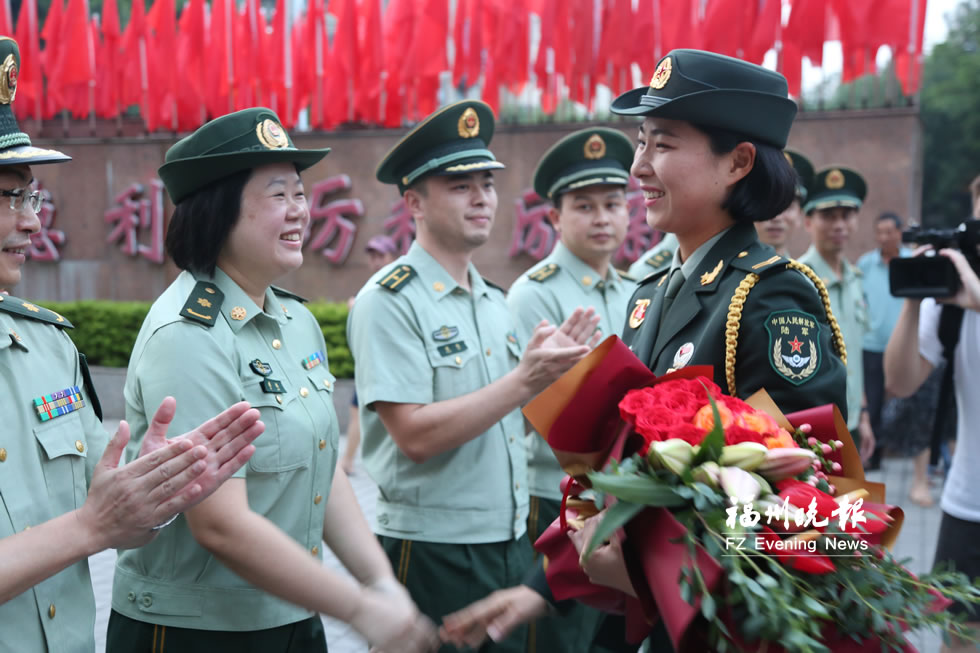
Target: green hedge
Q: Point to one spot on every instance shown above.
(106, 331)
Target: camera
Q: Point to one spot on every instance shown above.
(932, 275)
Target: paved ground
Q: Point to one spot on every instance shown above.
(916, 542)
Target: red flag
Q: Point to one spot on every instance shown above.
(6, 18)
(724, 25)
(807, 28)
(315, 50)
(51, 34)
(512, 49)
(221, 71)
(582, 57)
(490, 21)
(162, 45)
(614, 58)
(133, 45)
(73, 64)
(764, 32)
(275, 70)
(398, 38)
(908, 63)
(429, 52)
(191, 43)
(29, 85)
(891, 21)
(343, 63)
(791, 60)
(370, 47)
(108, 78)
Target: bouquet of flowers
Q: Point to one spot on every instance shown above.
(738, 525)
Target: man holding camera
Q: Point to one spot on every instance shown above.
(917, 330)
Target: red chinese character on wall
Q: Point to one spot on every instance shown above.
(533, 234)
(137, 210)
(639, 235)
(45, 243)
(336, 237)
(400, 226)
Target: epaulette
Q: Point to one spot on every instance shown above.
(660, 258)
(493, 285)
(758, 262)
(282, 292)
(203, 305)
(544, 272)
(396, 279)
(24, 308)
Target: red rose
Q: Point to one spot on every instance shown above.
(687, 432)
(735, 434)
(681, 402)
(636, 402)
(653, 425)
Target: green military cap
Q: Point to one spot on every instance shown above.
(836, 186)
(711, 89)
(15, 145)
(804, 172)
(597, 155)
(238, 141)
(453, 140)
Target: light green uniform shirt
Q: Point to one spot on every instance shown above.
(427, 341)
(655, 257)
(847, 303)
(45, 470)
(562, 289)
(173, 581)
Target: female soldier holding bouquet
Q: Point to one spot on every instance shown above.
(242, 571)
(710, 163)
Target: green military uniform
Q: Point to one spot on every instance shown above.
(654, 258)
(830, 188)
(552, 290)
(454, 525)
(206, 343)
(46, 464)
(52, 436)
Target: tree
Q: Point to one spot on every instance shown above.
(950, 102)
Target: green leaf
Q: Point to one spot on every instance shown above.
(713, 442)
(767, 581)
(708, 606)
(615, 517)
(639, 489)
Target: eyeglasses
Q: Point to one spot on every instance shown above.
(21, 195)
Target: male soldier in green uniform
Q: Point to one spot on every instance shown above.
(60, 501)
(441, 377)
(832, 207)
(584, 176)
(776, 232)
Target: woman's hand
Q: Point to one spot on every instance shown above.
(494, 617)
(391, 622)
(968, 295)
(606, 565)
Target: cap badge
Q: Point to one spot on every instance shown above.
(595, 147)
(271, 135)
(662, 75)
(469, 124)
(835, 179)
(8, 80)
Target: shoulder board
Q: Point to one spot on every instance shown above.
(493, 285)
(282, 292)
(653, 275)
(759, 261)
(625, 276)
(398, 277)
(203, 305)
(660, 258)
(544, 272)
(23, 308)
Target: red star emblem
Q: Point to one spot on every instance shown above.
(796, 345)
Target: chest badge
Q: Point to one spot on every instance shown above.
(709, 277)
(272, 386)
(639, 313)
(683, 355)
(260, 368)
(59, 403)
(794, 345)
(313, 360)
(445, 333)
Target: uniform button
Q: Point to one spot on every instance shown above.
(459, 360)
(315, 550)
(323, 443)
(488, 351)
(147, 600)
(383, 519)
(587, 280)
(304, 392)
(3, 455)
(80, 446)
(517, 486)
(131, 596)
(512, 438)
(51, 610)
(326, 383)
(279, 398)
(277, 344)
(317, 499)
